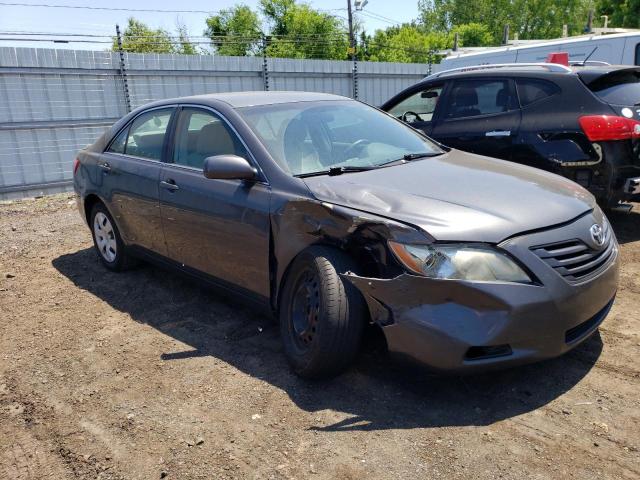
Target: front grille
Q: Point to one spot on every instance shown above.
(574, 259)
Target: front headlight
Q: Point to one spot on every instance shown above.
(461, 262)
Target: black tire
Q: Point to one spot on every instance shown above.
(322, 325)
(115, 259)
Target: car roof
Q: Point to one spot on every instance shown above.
(255, 98)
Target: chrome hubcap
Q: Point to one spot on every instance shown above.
(105, 237)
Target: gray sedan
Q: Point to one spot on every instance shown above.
(333, 215)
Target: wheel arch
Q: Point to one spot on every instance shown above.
(88, 202)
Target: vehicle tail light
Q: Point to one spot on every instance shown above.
(76, 164)
(599, 128)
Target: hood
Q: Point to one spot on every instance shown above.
(459, 196)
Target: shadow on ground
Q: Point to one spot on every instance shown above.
(376, 393)
(626, 225)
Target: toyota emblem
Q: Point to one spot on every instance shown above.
(597, 234)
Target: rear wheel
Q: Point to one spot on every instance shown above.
(321, 315)
(107, 240)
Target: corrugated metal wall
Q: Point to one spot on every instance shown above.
(54, 102)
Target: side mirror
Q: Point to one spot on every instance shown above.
(229, 167)
(429, 94)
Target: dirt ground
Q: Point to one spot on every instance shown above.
(144, 375)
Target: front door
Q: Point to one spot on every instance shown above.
(218, 227)
(480, 115)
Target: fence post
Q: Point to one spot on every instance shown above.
(123, 71)
(265, 66)
(355, 70)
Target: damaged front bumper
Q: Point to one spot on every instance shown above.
(453, 325)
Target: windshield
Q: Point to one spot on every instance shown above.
(310, 137)
(619, 88)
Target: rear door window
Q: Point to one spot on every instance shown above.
(147, 132)
(638, 54)
(618, 88)
(532, 90)
(473, 98)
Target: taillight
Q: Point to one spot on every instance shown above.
(76, 164)
(599, 128)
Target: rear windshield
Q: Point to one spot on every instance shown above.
(619, 88)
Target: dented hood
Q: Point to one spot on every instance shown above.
(459, 196)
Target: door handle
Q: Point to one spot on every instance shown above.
(498, 133)
(170, 185)
(105, 167)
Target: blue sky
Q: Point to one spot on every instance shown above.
(100, 22)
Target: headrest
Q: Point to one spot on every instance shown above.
(294, 138)
(502, 98)
(466, 97)
(214, 139)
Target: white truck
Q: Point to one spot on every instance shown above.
(616, 49)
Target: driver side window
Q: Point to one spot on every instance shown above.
(418, 107)
(201, 134)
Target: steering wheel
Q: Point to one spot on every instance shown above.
(409, 112)
(355, 146)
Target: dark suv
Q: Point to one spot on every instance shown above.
(582, 122)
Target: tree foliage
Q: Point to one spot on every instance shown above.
(473, 35)
(529, 19)
(139, 38)
(407, 43)
(295, 29)
(303, 32)
(622, 13)
(234, 31)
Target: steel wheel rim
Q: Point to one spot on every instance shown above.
(105, 237)
(305, 309)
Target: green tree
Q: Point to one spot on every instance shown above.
(234, 31)
(529, 19)
(184, 45)
(474, 35)
(622, 13)
(408, 43)
(300, 31)
(139, 38)
(276, 13)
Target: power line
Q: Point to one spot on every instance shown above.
(89, 7)
(377, 16)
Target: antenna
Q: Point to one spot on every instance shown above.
(589, 56)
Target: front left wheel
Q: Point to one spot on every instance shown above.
(322, 315)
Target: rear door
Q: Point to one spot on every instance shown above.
(417, 106)
(218, 227)
(480, 115)
(129, 172)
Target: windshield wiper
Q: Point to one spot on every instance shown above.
(336, 171)
(414, 156)
(407, 157)
(349, 169)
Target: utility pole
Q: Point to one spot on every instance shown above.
(589, 27)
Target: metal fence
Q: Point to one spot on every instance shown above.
(54, 102)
